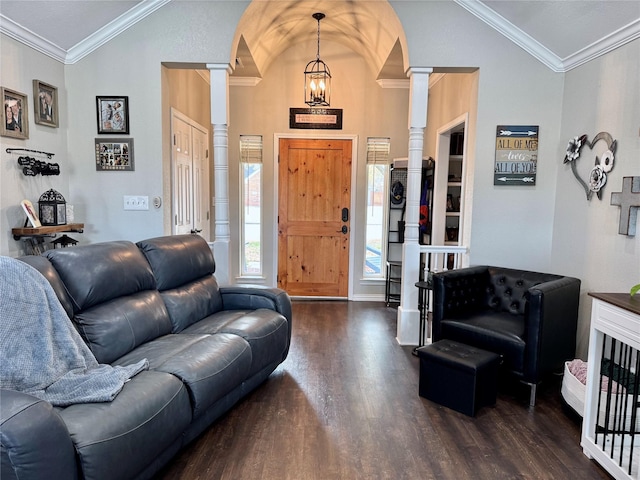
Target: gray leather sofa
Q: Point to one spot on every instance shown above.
(207, 347)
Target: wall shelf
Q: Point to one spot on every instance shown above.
(18, 233)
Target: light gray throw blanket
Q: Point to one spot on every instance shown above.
(41, 352)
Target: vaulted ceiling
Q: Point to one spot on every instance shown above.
(561, 34)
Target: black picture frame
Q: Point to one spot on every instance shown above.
(112, 115)
(316, 118)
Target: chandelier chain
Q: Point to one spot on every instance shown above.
(318, 54)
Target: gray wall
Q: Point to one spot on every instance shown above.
(602, 95)
(548, 227)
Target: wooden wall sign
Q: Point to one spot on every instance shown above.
(316, 118)
(516, 155)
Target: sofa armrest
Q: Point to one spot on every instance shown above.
(252, 297)
(34, 440)
(457, 292)
(551, 322)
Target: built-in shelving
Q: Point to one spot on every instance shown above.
(396, 224)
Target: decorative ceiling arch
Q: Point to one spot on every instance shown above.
(269, 27)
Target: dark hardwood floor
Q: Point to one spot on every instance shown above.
(345, 405)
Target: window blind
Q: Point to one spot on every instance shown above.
(378, 150)
(251, 148)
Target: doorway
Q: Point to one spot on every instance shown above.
(451, 204)
(189, 166)
(314, 216)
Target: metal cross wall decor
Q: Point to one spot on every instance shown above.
(629, 202)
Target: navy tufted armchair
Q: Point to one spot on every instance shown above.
(529, 318)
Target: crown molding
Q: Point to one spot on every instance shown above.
(543, 54)
(244, 81)
(476, 7)
(435, 78)
(112, 29)
(205, 74)
(513, 33)
(393, 82)
(31, 39)
(89, 44)
(606, 44)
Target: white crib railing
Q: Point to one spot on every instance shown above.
(436, 258)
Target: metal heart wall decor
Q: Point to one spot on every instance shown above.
(603, 164)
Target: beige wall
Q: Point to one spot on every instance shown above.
(368, 110)
(451, 97)
(188, 91)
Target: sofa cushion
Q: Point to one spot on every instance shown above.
(100, 272)
(116, 327)
(34, 438)
(192, 302)
(44, 266)
(178, 259)
(266, 331)
(209, 365)
(115, 302)
(183, 266)
(148, 415)
(499, 332)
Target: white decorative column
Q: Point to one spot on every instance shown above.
(219, 79)
(408, 324)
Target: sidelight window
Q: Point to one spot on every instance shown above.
(377, 186)
(251, 205)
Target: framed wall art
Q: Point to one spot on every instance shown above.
(15, 117)
(45, 103)
(114, 154)
(516, 161)
(113, 115)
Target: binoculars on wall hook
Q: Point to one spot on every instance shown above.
(32, 167)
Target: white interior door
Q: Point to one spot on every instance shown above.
(199, 148)
(189, 183)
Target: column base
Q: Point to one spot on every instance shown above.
(408, 330)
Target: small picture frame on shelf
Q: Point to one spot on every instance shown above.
(32, 216)
(15, 115)
(114, 154)
(45, 103)
(113, 115)
(450, 206)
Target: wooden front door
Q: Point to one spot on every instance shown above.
(313, 217)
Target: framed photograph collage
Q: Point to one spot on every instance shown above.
(113, 154)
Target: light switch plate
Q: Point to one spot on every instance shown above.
(136, 202)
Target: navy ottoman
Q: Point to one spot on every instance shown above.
(458, 376)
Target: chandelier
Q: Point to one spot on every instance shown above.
(317, 78)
